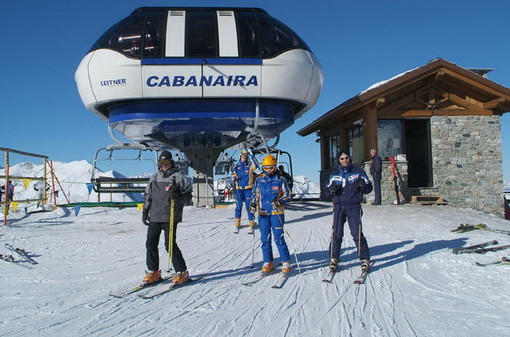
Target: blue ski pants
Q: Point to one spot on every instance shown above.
(274, 223)
(243, 197)
(351, 213)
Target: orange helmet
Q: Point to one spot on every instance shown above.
(269, 161)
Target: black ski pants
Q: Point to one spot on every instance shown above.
(377, 187)
(153, 234)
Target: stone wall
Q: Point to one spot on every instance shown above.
(467, 161)
(467, 165)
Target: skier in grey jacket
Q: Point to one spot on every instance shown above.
(167, 184)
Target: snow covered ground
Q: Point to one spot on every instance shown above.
(417, 286)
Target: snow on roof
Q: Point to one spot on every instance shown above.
(380, 83)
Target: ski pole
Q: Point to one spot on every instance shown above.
(291, 241)
(253, 253)
(360, 228)
(294, 250)
(331, 241)
(171, 234)
(253, 247)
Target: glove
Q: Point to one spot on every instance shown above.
(277, 203)
(145, 217)
(174, 192)
(253, 208)
(334, 188)
(361, 185)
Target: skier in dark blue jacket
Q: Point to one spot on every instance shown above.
(347, 184)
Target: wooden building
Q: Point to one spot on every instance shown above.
(442, 123)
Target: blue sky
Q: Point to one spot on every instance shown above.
(357, 42)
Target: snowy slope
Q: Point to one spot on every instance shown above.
(417, 288)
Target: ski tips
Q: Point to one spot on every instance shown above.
(504, 260)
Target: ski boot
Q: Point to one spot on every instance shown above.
(365, 264)
(181, 278)
(333, 263)
(267, 267)
(252, 227)
(237, 225)
(286, 267)
(151, 277)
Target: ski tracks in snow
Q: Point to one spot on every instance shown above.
(370, 309)
(409, 292)
(450, 296)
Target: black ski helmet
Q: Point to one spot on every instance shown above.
(165, 155)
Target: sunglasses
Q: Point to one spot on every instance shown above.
(344, 158)
(271, 167)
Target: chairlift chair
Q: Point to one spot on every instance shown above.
(103, 184)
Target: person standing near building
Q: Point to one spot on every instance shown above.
(244, 176)
(166, 185)
(347, 184)
(376, 172)
(270, 194)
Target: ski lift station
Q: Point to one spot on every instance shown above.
(199, 81)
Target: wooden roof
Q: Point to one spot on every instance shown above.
(465, 89)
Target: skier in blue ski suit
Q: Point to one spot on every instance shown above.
(347, 184)
(270, 194)
(243, 176)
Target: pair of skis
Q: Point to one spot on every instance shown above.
(139, 287)
(169, 287)
(480, 248)
(467, 228)
(359, 280)
(280, 281)
(20, 253)
(474, 248)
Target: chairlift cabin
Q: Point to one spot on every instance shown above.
(199, 79)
